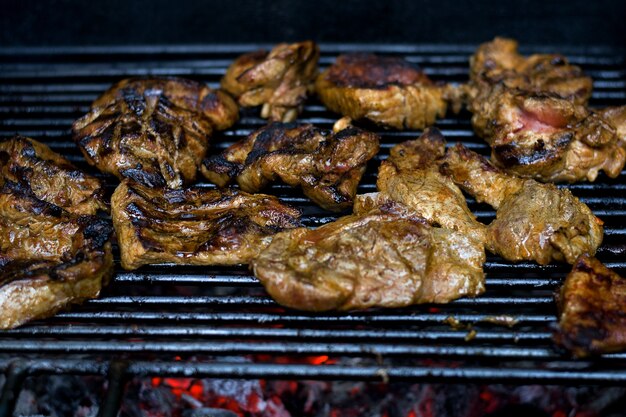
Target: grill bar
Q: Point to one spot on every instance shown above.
(161, 312)
(300, 371)
(115, 390)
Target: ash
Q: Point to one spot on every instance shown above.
(188, 397)
(260, 398)
(60, 396)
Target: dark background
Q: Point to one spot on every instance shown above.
(75, 22)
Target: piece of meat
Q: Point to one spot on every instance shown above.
(280, 80)
(380, 259)
(327, 165)
(532, 112)
(592, 313)
(498, 62)
(53, 250)
(386, 90)
(153, 130)
(534, 221)
(411, 176)
(51, 177)
(195, 226)
(549, 138)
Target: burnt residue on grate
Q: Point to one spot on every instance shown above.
(169, 319)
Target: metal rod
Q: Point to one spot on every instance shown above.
(115, 389)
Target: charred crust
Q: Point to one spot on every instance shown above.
(371, 71)
(143, 177)
(511, 154)
(348, 132)
(97, 230)
(262, 143)
(278, 133)
(337, 196)
(219, 221)
(166, 112)
(23, 192)
(334, 161)
(106, 140)
(220, 165)
(134, 100)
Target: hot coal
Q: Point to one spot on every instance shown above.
(80, 396)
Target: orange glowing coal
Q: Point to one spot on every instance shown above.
(312, 360)
(318, 360)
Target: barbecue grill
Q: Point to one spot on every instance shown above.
(193, 321)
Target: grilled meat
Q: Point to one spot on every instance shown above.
(327, 165)
(153, 130)
(532, 111)
(380, 259)
(534, 221)
(53, 250)
(194, 226)
(549, 138)
(498, 62)
(279, 80)
(411, 176)
(391, 252)
(51, 177)
(591, 304)
(388, 91)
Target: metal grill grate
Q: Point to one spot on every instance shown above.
(200, 321)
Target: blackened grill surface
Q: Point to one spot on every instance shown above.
(202, 321)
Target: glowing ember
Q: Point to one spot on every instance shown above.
(318, 360)
(190, 397)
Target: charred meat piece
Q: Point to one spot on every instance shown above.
(534, 221)
(498, 62)
(195, 226)
(153, 130)
(53, 251)
(380, 259)
(279, 80)
(327, 165)
(386, 90)
(532, 111)
(51, 177)
(411, 176)
(592, 309)
(549, 138)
